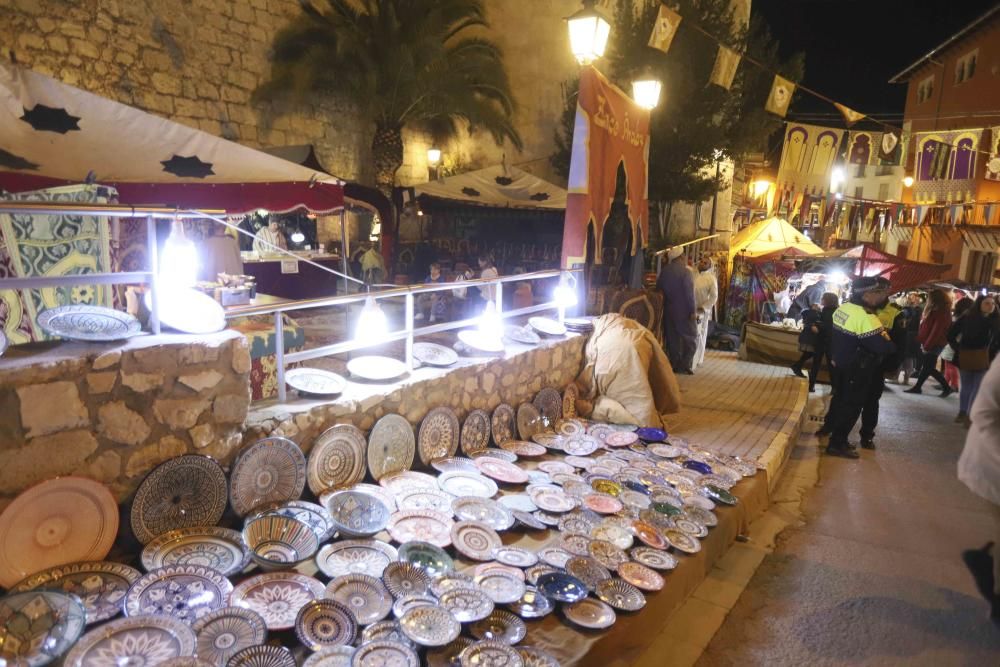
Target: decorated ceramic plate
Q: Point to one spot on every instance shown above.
(529, 421)
(59, 521)
(650, 434)
(520, 502)
(355, 557)
(524, 448)
(466, 604)
(503, 423)
(337, 458)
(569, 398)
(141, 640)
(376, 368)
(701, 515)
(223, 633)
(460, 484)
(547, 326)
(432, 354)
(183, 492)
(315, 381)
(221, 549)
(475, 434)
(548, 401)
(502, 454)
(443, 583)
(397, 482)
(536, 657)
(502, 586)
(100, 585)
(430, 626)
(553, 499)
(621, 439)
(640, 576)
(532, 604)
(561, 587)
(600, 431)
(315, 516)
(682, 541)
(570, 427)
(491, 567)
(692, 528)
(384, 653)
(654, 558)
(277, 596)
(621, 595)
(591, 614)
(587, 570)
(453, 463)
(475, 540)
(265, 655)
(272, 470)
(500, 626)
(184, 592)
(383, 630)
(580, 445)
(413, 525)
(366, 597)
(188, 310)
(333, 656)
(36, 627)
(489, 512)
(607, 554)
(527, 520)
(424, 498)
(391, 446)
(618, 536)
(501, 471)
(88, 323)
(356, 513)
(523, 335)
(429, 557)
(438, 436)
(480, 342)
(403, 579)
(324, 623)
(371, 489)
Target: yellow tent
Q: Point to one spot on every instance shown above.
(767, 236)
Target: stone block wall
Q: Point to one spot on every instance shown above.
(114, 412)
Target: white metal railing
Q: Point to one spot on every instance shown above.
(408, 332)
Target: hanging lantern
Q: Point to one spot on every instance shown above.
(646, 90)
(588, 33)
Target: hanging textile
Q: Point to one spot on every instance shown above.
(724, 70)
(850, 115)
(780, 97)
(890, 149)
(993, 161)
(664, 29)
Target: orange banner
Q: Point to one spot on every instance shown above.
(611, 129)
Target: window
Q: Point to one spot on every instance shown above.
(925, 89)
(883, 191)
(980, 267)
(966, 67)
(859, 192)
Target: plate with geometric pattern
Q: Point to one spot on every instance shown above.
(139, 640)
(391, 446)
(101, 585)
(475, 432)
(183, 492)
(337, 458)
(272, 470)
(438, 436)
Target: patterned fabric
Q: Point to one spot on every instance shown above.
(259, 332)
(52, 245)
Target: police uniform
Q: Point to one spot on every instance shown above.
(859, 346)
(887, 315)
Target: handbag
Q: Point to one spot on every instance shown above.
(974, 359)
(947, 353)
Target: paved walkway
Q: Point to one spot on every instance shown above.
(868, 571)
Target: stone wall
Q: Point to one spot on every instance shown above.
(114, 412)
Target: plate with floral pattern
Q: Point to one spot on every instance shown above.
(503, 422)
(272, 470)
(221, 549)
(100, 585)
(413, 525)
(391, 446)
(438, 436)
(183, 492)
(475, 434)
(365, 597)
(369, 557)
(467, 604)
(185, 592)
(223, 633)
(265, 655)
(324, 623)
(333, 656)
(139, 640)
(384, 653)
(88, 323)
(337, 458)
(277, 596)
(430, 626)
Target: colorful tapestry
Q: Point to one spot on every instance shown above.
(52, 245)
(752, 287)
(993, 161)
(807, 157)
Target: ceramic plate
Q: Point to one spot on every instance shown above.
(501, 471)
(532, 573)
(570, 427)
(371, 489)
(412, 525)
(460, 484)
(88, 323)
(580, 445)
(529, 421)
(431, 558)
(521, 502)
(432, 354)
(523, 335)
(616, 535)
(59, 521)
(356, 513)
(443, 583)
(403, 579)
(523, 448)
(652, 434)
(188, 310)
(500, 626)
(224, 632)
(532, 604)
(384, 630)
(489, 512)
(502, 454)
(430, 626)
(621, 439)
(355, 557)
(569, 398)
(334, 656)
(501, 586)
(549, 402)
(621, 595)
(607, 554)
(475, 540)
(600, 431)
(324, 623)
(315, 516)
(682, 541)
(536, 657)
(184, 592)
(547, 326)
(385, 653)
(277, 597)
(221, 549)
(183, 492)
(366, 597)
(654, 558)
(479, 342)
(475, 435)
(438, 436)
(640, 576)
(423, 498)
(375, 368)
(587, 570)
(590, 613)
(692, 528)
(515, 556)
(503, 423)
(263, 656)
(272, 470)
(36, 627)
(553, 499)
(528, 520)
(315, 381)
(561, 587)
(143, 640)
(491, 567)
(100, 585)
(466, 604)
(337, 458)
(703, 516)
(391, 446)
(453, 463)
(397, 482)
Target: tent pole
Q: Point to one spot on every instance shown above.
(154, 274)
(343, 244)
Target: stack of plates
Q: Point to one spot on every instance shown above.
(579, 324)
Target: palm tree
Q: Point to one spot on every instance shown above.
(419, 64)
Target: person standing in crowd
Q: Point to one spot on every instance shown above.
(432, 304)
(487, 270)
(858, 346)
(979, 469)
(821, 343)
(679, 313)
(706, 293)
(808, 338)
(810, 295)
(911, 351)
(974, 338)
(269, 239)
(933, 336)
(948, 367)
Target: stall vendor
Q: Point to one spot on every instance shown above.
(219, 253)
(268, 238)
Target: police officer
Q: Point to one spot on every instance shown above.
(859, 347)
(891, 317)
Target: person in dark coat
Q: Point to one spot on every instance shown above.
(820, 326)
(808, 338)
(680, 329)
(974, 338)
(911, 351)
(933, 336)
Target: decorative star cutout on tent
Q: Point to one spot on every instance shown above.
(539, 196)
(12, 161)
(472, 192)
(187, 167)
(503, 180)
(49, 119)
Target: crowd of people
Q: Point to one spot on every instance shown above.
(689, 297)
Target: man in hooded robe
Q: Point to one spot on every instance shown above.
(706, 293)
(679, 312)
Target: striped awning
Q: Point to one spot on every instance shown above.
(982, 240)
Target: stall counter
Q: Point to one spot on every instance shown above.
(294, 279)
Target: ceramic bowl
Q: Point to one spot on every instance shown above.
(279, 542)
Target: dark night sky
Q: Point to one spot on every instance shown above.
(853, 47)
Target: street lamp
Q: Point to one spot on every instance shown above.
(588, 33)
(907, 181)
(760, 188)
(837, 178)
(646, 90)
(433, 160)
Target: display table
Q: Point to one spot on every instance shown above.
(291, 279)
(769, 345)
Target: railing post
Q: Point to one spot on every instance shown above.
(343, 248)
(498, 295)
(279, 354)
(154, 280)
(409, 331)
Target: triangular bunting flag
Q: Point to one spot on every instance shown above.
(850, 115)
(781, 96)
(921, 214)
(724, 71)
(664, 29)
(987, 213)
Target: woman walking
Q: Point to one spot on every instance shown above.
(933, 336)
(974, 338)
(820, 328)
